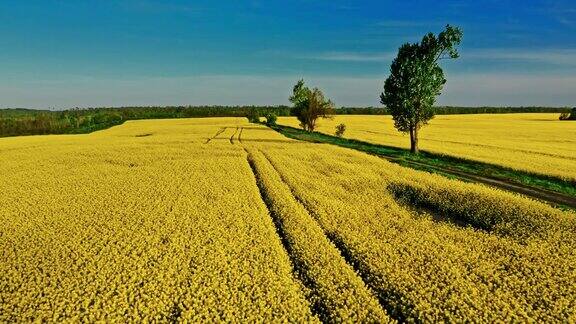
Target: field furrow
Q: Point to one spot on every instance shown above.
(232, 137)
(338, 294)
(118, 226)
(220, 131)
(240, 134)
(111, 232)
(428, 270)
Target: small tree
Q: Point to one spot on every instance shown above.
(309, 105)
(416, 79)
(569, 115)
(340, 129)
(271, 119)
(253, 116)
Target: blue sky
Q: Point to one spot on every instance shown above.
(145, 52)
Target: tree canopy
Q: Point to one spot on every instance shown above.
(309, 105)
(415, 80)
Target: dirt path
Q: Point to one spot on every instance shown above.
(550, 197)
(547, 196)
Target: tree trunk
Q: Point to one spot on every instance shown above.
(414, 140)
(312, 125)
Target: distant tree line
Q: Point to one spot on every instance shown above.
(454, 110)
(448, 110)
(14, 122)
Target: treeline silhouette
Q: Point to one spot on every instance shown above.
(15, 122)
(453, 110)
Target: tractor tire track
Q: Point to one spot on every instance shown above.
(303, 281)
(220, 131)
(240, 135)
(347, 254)
(232, 137)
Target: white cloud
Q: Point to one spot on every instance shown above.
(497, 89)
(567, 21)
(406, 23)
(154, 6)
(550, 56)
(209, 90)
(501, 89)
(562, 57)
(350, 56)
(97, 92)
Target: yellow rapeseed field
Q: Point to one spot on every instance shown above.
(537, 142)
(479, 254)
(140, 222)
(216, 219)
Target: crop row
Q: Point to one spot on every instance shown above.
(112, 227)
(146, 222)
(483, 207)
(339, 294)
(423, 266)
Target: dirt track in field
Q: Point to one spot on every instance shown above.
(547, 196)
(550, 197)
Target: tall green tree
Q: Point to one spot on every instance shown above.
(416, 79)
(309, 105)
